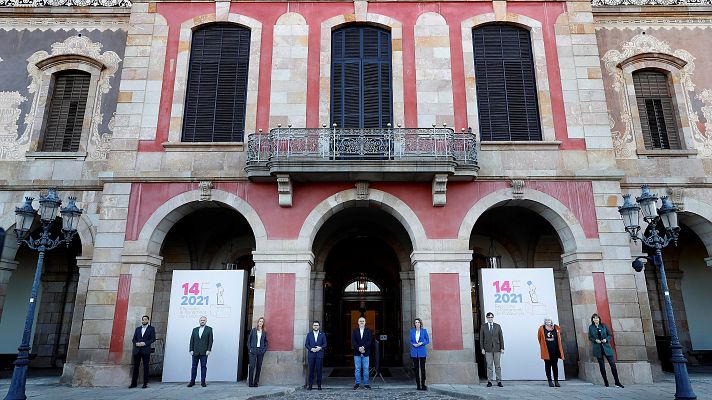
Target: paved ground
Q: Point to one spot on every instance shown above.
(341, 388)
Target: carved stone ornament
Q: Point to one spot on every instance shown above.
(362, 190)
(439, 190)
(98, 146)
(624, 142)
(677, 196)
(205, 190)
(66, 3)
(517, 188)
(284, 190)
(9, 114)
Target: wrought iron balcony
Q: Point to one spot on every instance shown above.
(374, 154)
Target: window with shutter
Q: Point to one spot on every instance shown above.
(216, 93)
(361, 94)
(505, 83)
(657, 114)
(65, 116)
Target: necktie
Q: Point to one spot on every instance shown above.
(490, 325)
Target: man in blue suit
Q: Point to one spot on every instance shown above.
(361, 340)
(143, 338)
(315, 345)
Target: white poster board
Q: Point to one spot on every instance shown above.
(520, 299)
(219, 295)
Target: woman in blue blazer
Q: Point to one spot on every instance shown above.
(418, 340)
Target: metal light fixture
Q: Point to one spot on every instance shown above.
(24, 217)
(667, 214)
(362, 284)
(494, 260)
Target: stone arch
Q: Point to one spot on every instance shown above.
(567, 226)
(183, 65)
(85, 230)
(160, 222)
(349, 198)
(396, 28)
(697, 216)
(538, 52)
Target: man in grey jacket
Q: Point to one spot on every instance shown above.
(492, 344)
(201, 343)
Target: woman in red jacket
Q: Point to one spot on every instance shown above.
(551, 349)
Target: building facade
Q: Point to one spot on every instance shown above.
(358, 158)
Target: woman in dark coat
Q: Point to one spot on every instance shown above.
(257, 346)
(600, 336)
(549, 336)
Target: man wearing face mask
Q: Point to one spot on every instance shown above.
(201, 343)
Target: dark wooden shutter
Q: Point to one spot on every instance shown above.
(216, 94)
(505, 83)
(657, 115)
(361, 94)
(65, 116)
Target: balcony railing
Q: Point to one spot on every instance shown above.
(351, 150)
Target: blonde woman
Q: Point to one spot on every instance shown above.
(551, 349)
(257, 346)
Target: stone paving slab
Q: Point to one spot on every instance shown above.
(341, 389)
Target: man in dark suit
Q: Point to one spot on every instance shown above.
(201, 344)
(315, 344)
(492, 343)
(143, 338)
(361, 340)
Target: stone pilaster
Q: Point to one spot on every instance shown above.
(285, 367)
(317, 285)
(408, 310)
(80, 302)
(7, 267)
(446, 366)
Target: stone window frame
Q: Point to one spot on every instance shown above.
(183, 65)
(382, 21)
(75, 53)
(546, 120)
(671, 66)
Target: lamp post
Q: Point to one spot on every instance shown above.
(25, 216)
(667, 213)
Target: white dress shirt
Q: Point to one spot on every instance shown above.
(259, 336)
(200, 331)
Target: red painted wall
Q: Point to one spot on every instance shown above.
(405, 12)
(279, 310)
(285, 223)
(445, 306)
(604, 310)
(116, 347)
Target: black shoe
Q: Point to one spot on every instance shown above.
(133, 385)
(556, 383)
(551, 384)
(256, 384)
(356, 386)
(418, 388)
(318, 387)
(620, 385)
(310, 387)
(500, 384)
(191, 384)
(489, 384)
(424, 387)
(367, 386)
(144, 386)
(203, 384)
(605, 384)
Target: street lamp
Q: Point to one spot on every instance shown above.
(630, 212)
(24, 217)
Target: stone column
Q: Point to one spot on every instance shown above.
(317, 287)
(451, 355)
(285, 362)
(407, 310)
(7, 267)
(80, 302)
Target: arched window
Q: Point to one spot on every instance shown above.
(65, 113)
(361, 94)
(505, 83)
(216, 93)
(362, 286)
(656, 109)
